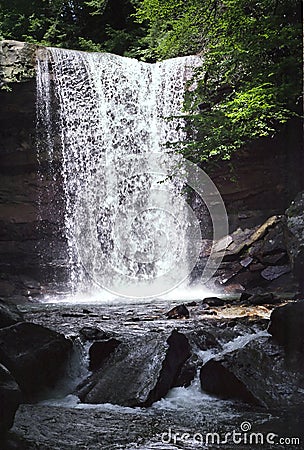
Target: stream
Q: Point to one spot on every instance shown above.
(186, 418)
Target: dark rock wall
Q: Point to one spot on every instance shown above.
(32, 250)
(256, 184)
(17, 61)
(262, 180)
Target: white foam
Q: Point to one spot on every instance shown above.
(180, 294)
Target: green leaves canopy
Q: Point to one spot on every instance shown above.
(93, 25)
(250, 80)
(251, 76)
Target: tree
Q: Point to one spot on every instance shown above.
(93, 25)
(251, 75)
(250, 80)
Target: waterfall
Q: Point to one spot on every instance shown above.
(126, 221)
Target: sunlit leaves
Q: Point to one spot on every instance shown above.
(251, 78)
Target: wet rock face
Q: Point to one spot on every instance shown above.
(295, 237)
(256, 373)
(18, 188)
(35, 356)
(178, 312)
(214, 301)
(287, 328)
(267, 298)
(10, 398)
(187, 373)
(100, 350)
(257, 258)
(93, 334)
(139, 372)
(178, 352)
(9, 315)
(32, 249)
(217, 379)
(17, 61)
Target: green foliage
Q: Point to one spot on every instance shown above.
(6, 88)
(88, 45)
(250, 80)
(93, 25)
(251, 75)
(175, 27)
(98, 6)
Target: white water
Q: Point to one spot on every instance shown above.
(190, 398)
(127, 225)
(180, 294)
(230, 346)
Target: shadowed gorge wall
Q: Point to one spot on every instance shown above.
(31, 248)
(262, 179)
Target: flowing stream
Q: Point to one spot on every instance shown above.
(181, 420)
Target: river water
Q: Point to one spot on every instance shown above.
(183, 419)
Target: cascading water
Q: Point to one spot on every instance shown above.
(126, 223)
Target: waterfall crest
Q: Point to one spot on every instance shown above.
(126, 222)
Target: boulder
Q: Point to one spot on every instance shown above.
(285, 285)
(100, 350)
(35, 356)
(272, 247)
(274, 272)
(92, 334)
(214, 301)
(279, 257)
(248, 279)
(139, 372)
(17, 61)
(256, 374)
(187, 373)
(267, 298)
(204, 339)
(9, 315)
(295, 237)
(192, 303)
(256, 267)
(229, 271)
(244, 239)
(178, 312)
(245, 262)
(245, 296)
(257, 257)
(10, 398)
(287, 328)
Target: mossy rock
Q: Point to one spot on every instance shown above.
(17, 62)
